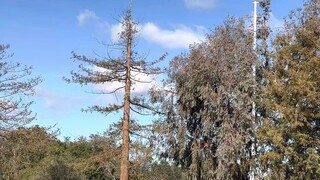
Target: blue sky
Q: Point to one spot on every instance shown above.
(42, 33)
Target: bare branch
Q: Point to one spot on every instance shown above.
(140, 113)
(111, 92)
(144, 106)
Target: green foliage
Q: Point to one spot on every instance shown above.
(53, 169)
(23, 149)
(79, 149)
(289, 136)
(33, 153)
(164, 171)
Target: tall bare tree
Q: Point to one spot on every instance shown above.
(15, 87)
(122, 69)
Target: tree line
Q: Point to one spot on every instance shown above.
(202, 125)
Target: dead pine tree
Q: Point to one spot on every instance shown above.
(121, 69)
(16, 85)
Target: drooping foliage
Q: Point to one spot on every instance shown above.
(214, 87)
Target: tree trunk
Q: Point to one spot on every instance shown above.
(124, 169)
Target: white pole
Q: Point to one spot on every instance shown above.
(255, 3)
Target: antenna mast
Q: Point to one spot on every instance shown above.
(253, 153)
(255, 3)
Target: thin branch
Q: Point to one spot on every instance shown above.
(139, 80)
(139, 135)
(111, 92)
(147, 107)
(140, 113)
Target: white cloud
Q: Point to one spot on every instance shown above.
(86, 16)
(89, 17)
(142, 87)
(200, 4)
(57, 103)
(178, 37)
(115, 30)
(275, 23)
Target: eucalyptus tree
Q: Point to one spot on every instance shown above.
(211, 114)
(120, 69)
(264, 33)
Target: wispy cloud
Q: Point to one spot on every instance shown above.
(275, 23)
(180, 37)
(115, 30)
(88, 17)
(200, 4)
(140, 85)
(58, 103)
(177, 37)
